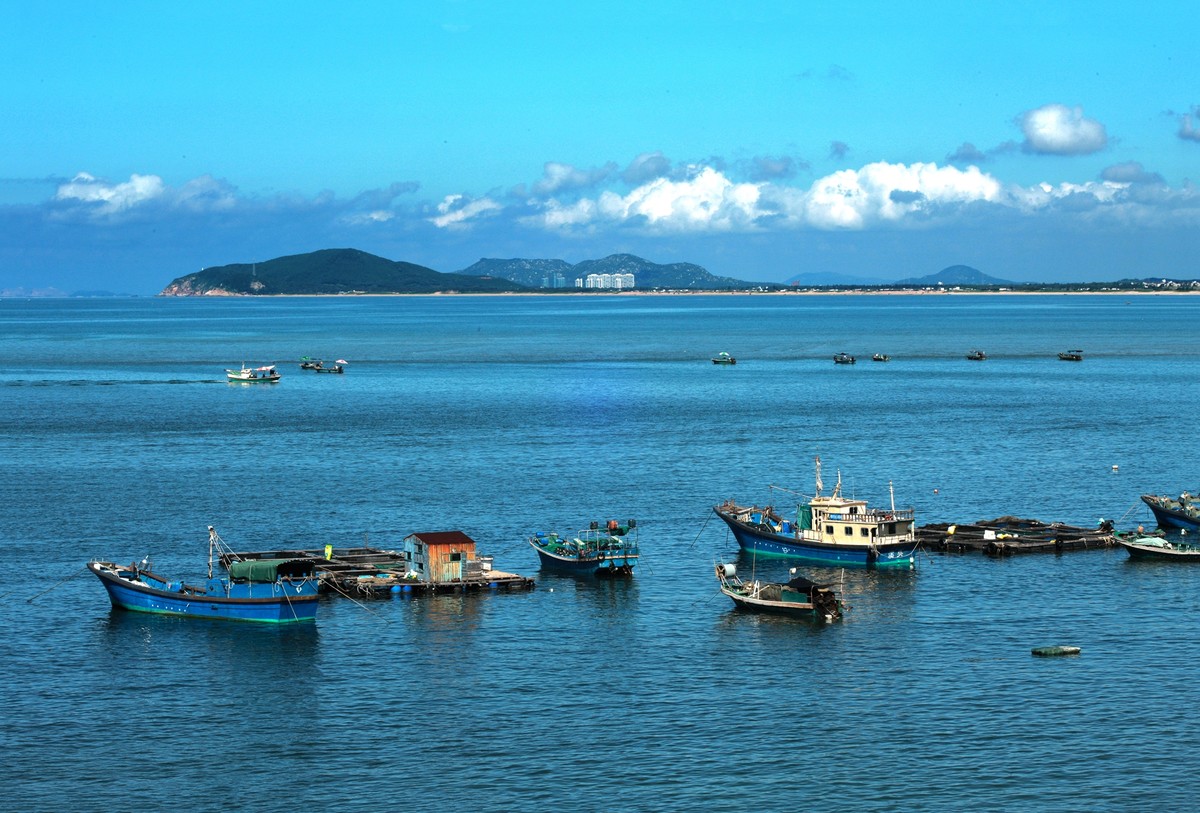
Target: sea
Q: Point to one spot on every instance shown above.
(499, 416)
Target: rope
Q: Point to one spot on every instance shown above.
(56, 584)
(343, 593)
(708, 516)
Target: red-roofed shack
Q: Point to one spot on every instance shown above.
(439, 556)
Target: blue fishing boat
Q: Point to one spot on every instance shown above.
(274, 591)
(608, 551)
(827, 530)
(1182, 513)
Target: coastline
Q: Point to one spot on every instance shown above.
(806, 292)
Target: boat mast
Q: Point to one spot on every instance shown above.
(892, 494)
(820, 485)
(212, 542)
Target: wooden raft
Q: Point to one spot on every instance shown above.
(377, 572)
(1005, 536)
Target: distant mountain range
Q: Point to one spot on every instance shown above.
(819, 279)
(647, 275)
(330, 271)
(956, 275)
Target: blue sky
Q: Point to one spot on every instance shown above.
(141, 141)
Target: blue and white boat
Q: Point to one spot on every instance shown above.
(1171, 513)
(827, 530)
(273, 591)
(608, 551)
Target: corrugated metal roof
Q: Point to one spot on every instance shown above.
(443, 538)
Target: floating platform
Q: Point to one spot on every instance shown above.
(378, 572)
(1005, 536)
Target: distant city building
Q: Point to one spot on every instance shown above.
(609, 281)
(555, 280)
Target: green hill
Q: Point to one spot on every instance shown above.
(956, 275)
(330, 271)
(647, 275)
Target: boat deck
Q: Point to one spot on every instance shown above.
(374, 572)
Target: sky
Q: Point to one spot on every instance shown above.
(1035, 141)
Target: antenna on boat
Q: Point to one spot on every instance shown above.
(837, 490)
(212, 541)
(820, 485)
(892, 494)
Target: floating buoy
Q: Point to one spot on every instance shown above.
(1055, 651)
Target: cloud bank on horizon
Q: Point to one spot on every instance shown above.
(1048, 190)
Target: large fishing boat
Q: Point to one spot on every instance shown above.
(611, 550)
(1182, 513)
(274, 591)
(827, 530)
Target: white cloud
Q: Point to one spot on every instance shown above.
(1061, 130)
(110, 198)
(557, 177)
(456, 210)
(706, 201)
(882, 192)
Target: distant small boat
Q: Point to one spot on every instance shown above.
(798, 597)
(266, 374)
(881, 357)
(1182, 513)
(339, 366)
(608, 551)
(976, 355)
(275, 591)
(724, 358)
(1156, 547)
(307, 363)
(1071, 355)
(843, 358)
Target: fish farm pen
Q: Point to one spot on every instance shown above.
(377, 572)
(1005, 536)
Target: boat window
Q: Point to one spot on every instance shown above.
(849, 531)
(892, 528)
(866, 532)
(829, 529)
(854, 509)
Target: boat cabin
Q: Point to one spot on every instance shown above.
(840, 520)
(440, 556)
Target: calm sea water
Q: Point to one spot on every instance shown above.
(499, 416)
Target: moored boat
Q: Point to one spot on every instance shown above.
(881, 357)
(611, 550)
(1157, 547)
(1071, 355)
(1182, 513)
(797, 597)
(265, 374)
(307, 363)
(724, 358)
(274, 591)
(977, 355)
(339, 367)
(827, 530)
(843, 358)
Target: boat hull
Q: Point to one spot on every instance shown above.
(764, 543)
(1161, 551)
(612, 564)
(280, 608)
(1170, 518)
(789, 609)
